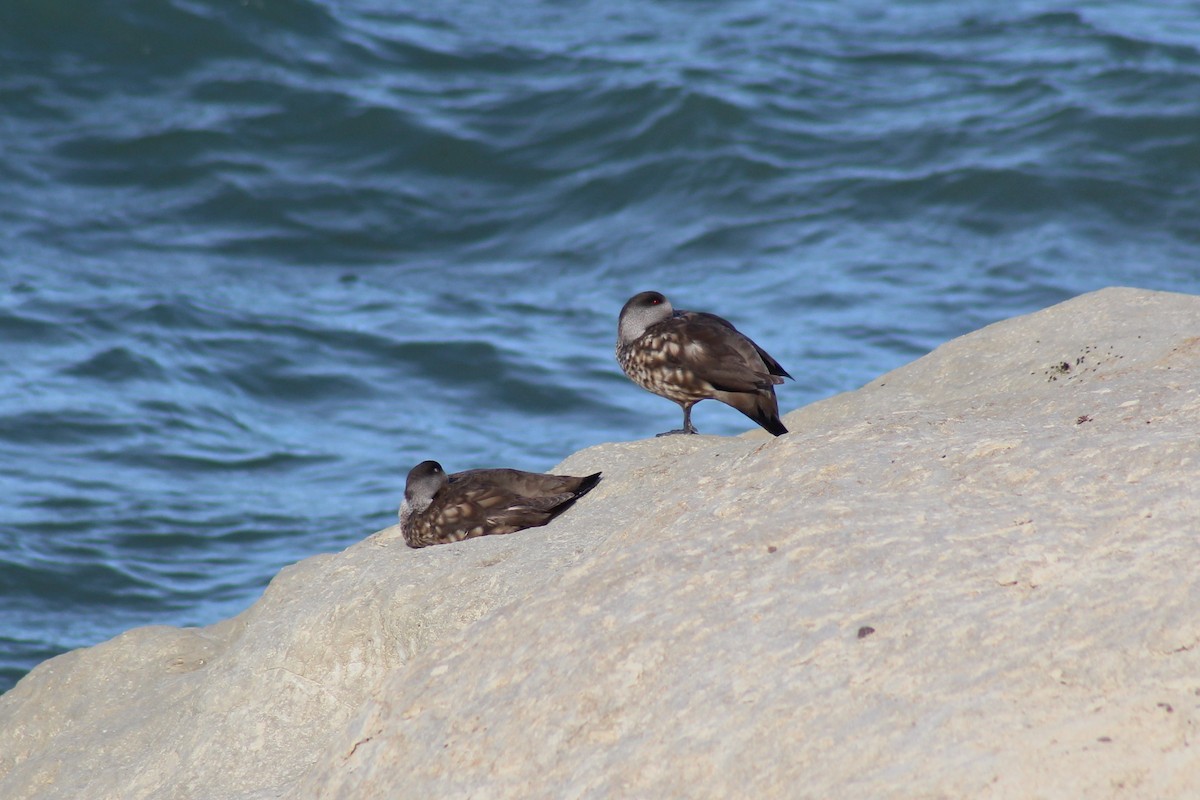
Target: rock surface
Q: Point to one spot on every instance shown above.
(974, 577)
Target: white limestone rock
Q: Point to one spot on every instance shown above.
(1014, 516)
(974, 577)
(241, 708)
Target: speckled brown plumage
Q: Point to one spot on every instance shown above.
(689, 356)
(440, 508)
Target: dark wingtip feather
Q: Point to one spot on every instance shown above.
(587, 483)
(768, 419)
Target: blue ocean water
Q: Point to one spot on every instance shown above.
(259, 258)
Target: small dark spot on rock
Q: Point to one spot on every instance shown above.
(1166, 707)
(1105, 739)
(356, 744)
(943, 456)
(771, 548)
(865, 631)
(348, 277)
(1082, 419)
(1064, 367)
